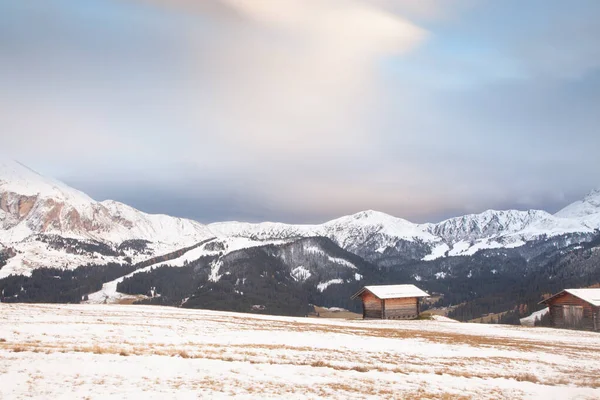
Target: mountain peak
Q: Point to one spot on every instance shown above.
(593, 195)
(371, 214)
(587, 211)
(17, 178)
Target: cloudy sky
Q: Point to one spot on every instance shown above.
(305, 110)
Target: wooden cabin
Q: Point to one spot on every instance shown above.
(575, 309)
(390, 301)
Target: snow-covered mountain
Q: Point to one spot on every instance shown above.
(363, 233)
(38, 215)
(35, 210)
(503, 229)
(586, 211)
(377, 236)
(32, 204)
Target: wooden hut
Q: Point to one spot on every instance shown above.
(390, 301)
(575, 309)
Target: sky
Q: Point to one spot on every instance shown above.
(302, 110)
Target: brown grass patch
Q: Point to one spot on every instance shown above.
(319, 364)
(527, 378)
(184, 354)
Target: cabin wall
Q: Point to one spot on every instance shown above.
(570, 312)
(406, 308)
(372, 306)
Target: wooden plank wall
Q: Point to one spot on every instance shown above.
(406, 308)
(372, 306)
(587, 317)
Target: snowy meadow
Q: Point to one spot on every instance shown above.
(118, 351)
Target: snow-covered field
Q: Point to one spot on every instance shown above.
(112, 351)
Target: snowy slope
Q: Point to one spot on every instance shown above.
(137, 352)
(17, 178)
(586, 211)
(530, 320)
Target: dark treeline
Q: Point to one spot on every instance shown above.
(520, 295)
(3, 259)
(173, 284)
(53, 285)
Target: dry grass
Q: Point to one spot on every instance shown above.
(324, 313)
(259, 354)
(527, 378)
(184, 354)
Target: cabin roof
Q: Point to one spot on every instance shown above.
(591, 296)
(392, 291)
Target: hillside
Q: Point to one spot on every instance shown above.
(130, 351)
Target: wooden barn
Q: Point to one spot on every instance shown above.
(575, 309)
(390, 301)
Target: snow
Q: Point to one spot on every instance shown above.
(530, 320)
(17, 178)
(437, 252)
(440, 275)
(215, 267)
(335, 309)
(109, 351)
(459, 248)
(442, 318)
(394, 291)
(335, 260)
(586, 211)
(357, 277)
(343, 229)
(324, 285)
(591, 296)
(300, 274)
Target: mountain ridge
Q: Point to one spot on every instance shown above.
(31, 205)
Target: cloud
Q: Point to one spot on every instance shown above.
(293, 76)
